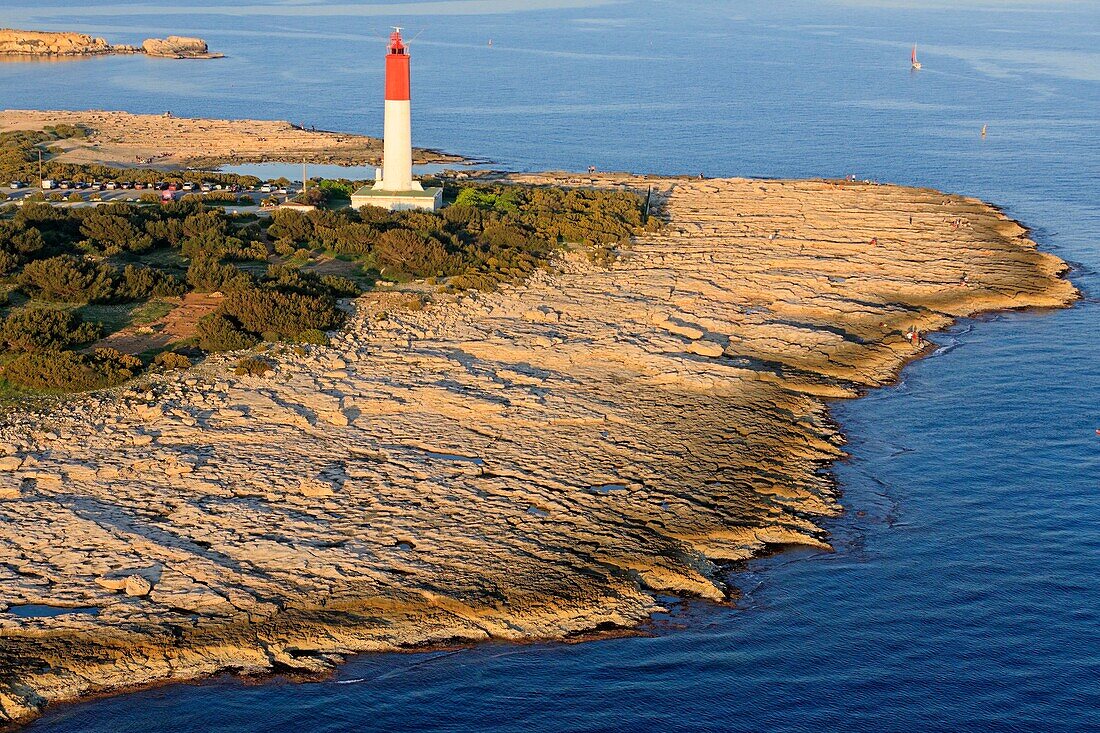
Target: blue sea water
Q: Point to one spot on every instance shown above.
(963, 594)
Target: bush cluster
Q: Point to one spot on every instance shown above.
(491, 234)
(71, 279)
(252, 366)
(218, 332)
(172, 360)
(41, 329)
(70, 371)
(286, 304)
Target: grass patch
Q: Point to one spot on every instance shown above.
(150, 311)
(113, 316)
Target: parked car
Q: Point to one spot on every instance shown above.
(188, 186)
(266, 188)
(112, 185)
(205, 188)
(48, 184)
(17, 184)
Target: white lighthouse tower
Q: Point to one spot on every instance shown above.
(395, 188)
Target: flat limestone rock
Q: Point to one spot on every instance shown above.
(535, 462)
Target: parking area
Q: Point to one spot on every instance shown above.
(99, 192)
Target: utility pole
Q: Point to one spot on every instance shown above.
(305, 180)
(40, 166)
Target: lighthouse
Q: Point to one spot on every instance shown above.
(397, 154)
(395, 188)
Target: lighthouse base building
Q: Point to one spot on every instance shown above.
(429, 199)
(394, 187)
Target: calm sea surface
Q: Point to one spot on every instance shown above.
(964, 592)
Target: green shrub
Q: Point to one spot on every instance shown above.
(285, 247)
(375, 215)
(262, 310)
(172, 360)
(312, 336)
(20, 238)
(292, 225)
(206, 224)
(336, 190)
(41, 329)
(341, 287)
(216, 332)
(165, 232)
(69, 279)
(255, 251)
(252, 366)
(406, 252)
(69, 371)
(311, 197)
(208, 275)
(111, 233)
(139, 283)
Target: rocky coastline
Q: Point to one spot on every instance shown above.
(533, 463)
(46, 44)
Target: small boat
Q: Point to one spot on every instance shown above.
(983, 129)
(913, 63)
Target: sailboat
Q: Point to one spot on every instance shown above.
(914, 64)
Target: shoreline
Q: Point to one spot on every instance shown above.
(663, 343)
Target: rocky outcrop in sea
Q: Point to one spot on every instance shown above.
(46, 44)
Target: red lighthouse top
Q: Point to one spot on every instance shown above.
(397, 68)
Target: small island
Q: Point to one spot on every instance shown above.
(46, 44)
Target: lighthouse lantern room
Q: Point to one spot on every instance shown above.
(395, 188)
